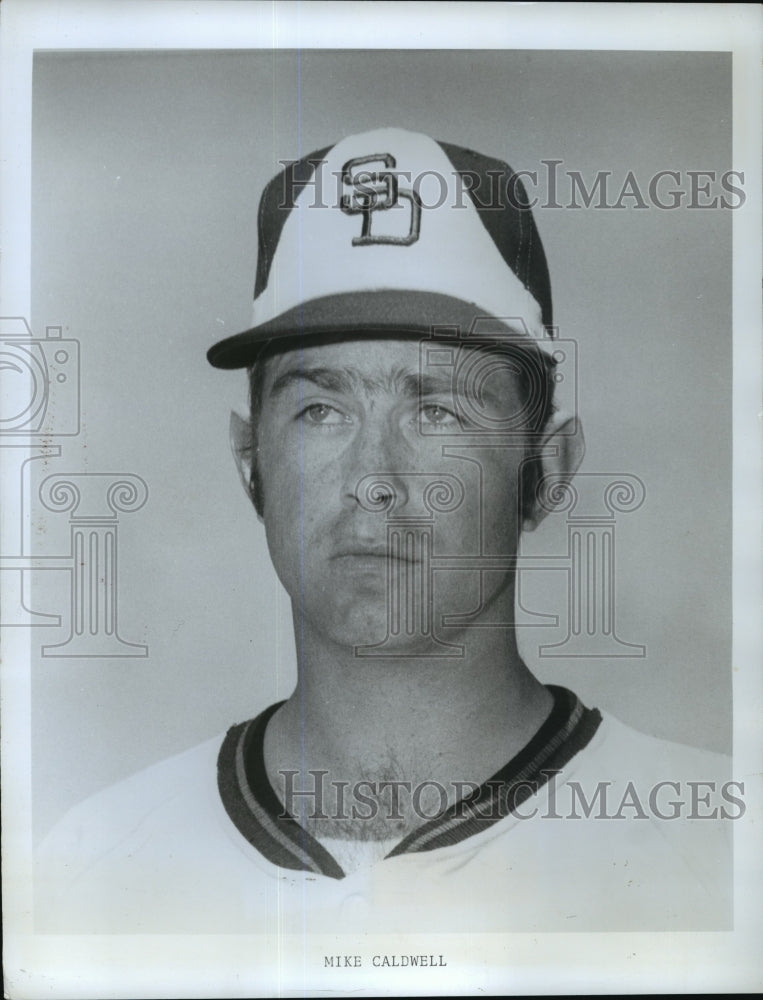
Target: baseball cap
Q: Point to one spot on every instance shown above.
(393, 231)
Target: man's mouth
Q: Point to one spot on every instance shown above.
(378, 554)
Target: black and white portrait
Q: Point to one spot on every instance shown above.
(372, 572)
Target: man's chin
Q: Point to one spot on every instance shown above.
(364, 632)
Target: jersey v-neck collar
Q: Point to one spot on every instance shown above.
(254, 808)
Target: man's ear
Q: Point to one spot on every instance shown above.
(561, 453)
(240, 437)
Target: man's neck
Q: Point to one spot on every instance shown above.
(361, 724)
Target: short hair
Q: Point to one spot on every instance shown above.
(535, 371)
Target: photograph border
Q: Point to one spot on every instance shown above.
(118, 966)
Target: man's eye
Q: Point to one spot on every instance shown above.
(435, 415)
(322, 413)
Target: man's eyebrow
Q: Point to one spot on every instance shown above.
(412, 385)
(331, 379)
(446, 384)
(427, 385)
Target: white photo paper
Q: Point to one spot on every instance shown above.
(380, 499)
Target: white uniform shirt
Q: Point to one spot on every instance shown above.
(159, 852)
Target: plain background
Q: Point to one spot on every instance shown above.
(147, 170)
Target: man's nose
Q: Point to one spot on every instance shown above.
(375, 465)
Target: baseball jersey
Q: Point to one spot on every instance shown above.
(592, 826)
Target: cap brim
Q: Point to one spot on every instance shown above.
(385, 311)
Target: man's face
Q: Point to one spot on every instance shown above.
(369, 479)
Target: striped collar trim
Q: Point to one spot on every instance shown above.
(258, 814)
